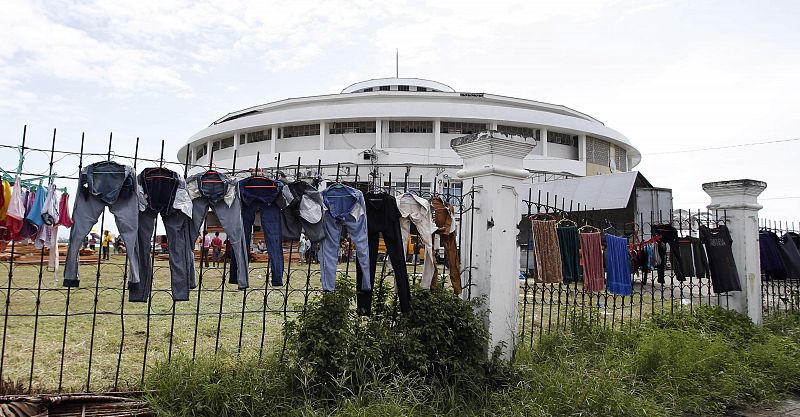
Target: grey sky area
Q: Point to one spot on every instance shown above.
(672, 76)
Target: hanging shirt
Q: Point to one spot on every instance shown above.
(6, 196)
(724, 275)
(48, 232)
(417, 210)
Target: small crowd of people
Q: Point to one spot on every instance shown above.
(107, 241)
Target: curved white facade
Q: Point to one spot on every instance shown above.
(407, 123)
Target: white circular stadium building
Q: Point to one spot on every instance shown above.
(404, 126)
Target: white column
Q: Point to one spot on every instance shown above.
(378, 134)
(493, 125)
(323, 130)
(273, 144)
(495, 163)
(235, 140)
(543, 142)
(437, 134)
(208, 151)
(582, 147)
(739, 201)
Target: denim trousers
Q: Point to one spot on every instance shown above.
(85, 212)
(271, 225)
(341, 202)
(181, 256)
(231, 219)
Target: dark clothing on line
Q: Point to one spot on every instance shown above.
(383, 218)
(722, 266)
(569, 246)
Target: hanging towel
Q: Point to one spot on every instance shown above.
(592, 254)
(619, 266)
(569, 245)
(48, 232)
(548, 254)
(64, 218)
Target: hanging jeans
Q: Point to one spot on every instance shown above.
(345, 209)
(383, 218)
(216, 190)
(259, 194)
(446, 228)
(160, 186)
(101, 185)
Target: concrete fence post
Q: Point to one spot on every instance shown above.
(493, 168)
(738, 200)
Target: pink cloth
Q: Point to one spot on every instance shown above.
(64, 218)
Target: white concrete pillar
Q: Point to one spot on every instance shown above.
(235, 140)
(437, 133)
(495, 163)
(493, 125)
(378, 134)
(323, 130)
(543, 142)
(738, 199)
(273, 144)
(582, 147)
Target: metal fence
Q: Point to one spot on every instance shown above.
(93, 339)
(780, 292)
(546, 307)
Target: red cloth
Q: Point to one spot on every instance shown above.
(64, 218)
(216, 242)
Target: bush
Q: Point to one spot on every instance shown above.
(442, 340)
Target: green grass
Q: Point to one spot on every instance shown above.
(687, 364)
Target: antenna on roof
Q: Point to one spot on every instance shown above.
(396, 62)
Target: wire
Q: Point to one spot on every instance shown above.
(740, 145)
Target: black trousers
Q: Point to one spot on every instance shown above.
(394, 249)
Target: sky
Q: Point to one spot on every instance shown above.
(673, 76)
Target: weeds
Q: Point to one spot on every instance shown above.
(432, 363)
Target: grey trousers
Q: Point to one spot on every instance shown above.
(181, 255)
(85, 213)
(231, 219)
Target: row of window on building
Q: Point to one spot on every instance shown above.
(398, 88)
(394, 126)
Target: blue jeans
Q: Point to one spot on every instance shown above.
(263, 200)
(340, 202)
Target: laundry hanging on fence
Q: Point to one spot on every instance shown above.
(547, 251)
(569, 246)
(722, 266)
(213, 189)
(773, 262)
(383, 218)
(592, 262)
(264, 196)
(618, 266)
(792, 255)
(162, 191)
(104, 184)
(345, 210)
(443, 216)
(669, 237)
(417, 210)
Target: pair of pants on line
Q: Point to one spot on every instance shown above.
(231, 219)
(341, 202)
(262, 198)
(271, 225)
(181, 257)
(384, 218)
(445, 227)
(85, 213)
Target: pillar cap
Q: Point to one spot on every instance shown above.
(735, 194)
(752, 188)
(492, 142)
